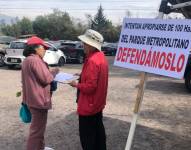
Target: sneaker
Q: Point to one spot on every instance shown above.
(48, 148)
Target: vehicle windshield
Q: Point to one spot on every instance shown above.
(17, 45)
(56, 44)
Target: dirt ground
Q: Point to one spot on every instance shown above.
(164, 122)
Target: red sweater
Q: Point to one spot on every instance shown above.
(93, 85)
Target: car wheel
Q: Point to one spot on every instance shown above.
(188, 81)
(2, 60)
(61, 62)
(80, 59)
(11, 66)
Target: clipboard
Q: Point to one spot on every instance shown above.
(65, 78)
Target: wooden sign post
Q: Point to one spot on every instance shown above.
(139, 99)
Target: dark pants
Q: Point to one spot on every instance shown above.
(92, 132)
(37, 129)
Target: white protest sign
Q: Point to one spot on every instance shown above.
(154, 46)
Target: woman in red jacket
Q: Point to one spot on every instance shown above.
(36, 79)
(92, 92)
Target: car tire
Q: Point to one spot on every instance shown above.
(2, 56)
(61, 62)
(80, 59)
(188, 81)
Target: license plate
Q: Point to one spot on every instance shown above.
(13, 60)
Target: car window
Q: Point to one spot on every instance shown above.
(68, 45)
(51, 47)
(56, 44)
(80, 45)
(17, 45)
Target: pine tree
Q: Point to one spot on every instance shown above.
(100, 23)
(103, 25)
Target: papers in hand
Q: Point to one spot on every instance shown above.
(65, 77)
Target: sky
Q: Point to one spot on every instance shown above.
(115, 10)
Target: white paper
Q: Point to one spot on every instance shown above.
(65, 77)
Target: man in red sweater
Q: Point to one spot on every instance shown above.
(92, 92)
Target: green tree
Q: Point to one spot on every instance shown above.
(57, 25)
(100, 23)
(40, 27)
(11, 30)
(21, 27)
(103, 25)
(60, 25)
(26, 26)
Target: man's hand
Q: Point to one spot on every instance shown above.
(73, 84)
(77, 74)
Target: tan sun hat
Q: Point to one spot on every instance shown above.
(93, 38)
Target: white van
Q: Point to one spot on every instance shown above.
(14, 54)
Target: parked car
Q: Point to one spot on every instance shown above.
(4, 42)
(109, 49)
(73, 50)
(2, 54)
(54, 56)
(14, 54)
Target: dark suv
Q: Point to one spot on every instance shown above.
(73, 50)
(109, 49)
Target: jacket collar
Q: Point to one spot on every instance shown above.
(91, 54)
(35, 55)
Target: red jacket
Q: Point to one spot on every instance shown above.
(93, 85)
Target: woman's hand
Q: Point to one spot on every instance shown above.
(54, 71)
